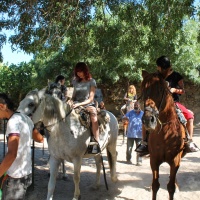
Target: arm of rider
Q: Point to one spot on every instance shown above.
(179, 90)
(89, 100)
(126, 97)
(13, 142)
(37, 136)
(65, 94)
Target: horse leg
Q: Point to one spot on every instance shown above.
(124, 134)
(155, 181)
(125, 130)
(77, 171)
(112, 159)
(125, 125)
(98, 166)
(177, 187)
(64, 176)
(54, 165)
(171, 186)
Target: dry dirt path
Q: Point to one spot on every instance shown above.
(133, 184)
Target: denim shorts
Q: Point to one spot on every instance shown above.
(15, 188)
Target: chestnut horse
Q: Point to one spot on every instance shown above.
(166, 133)
(125, 121)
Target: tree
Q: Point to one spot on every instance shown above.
(117, 38)
(16, 80)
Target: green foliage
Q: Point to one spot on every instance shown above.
(116, 38)
(187, 60)
(16, 80)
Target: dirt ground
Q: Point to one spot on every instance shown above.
(134, 181)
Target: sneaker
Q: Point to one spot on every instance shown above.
(142, 148)
(139, 164)
(95, 149)
(128, 162)
(193, 147)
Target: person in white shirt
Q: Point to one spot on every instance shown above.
(16, 167)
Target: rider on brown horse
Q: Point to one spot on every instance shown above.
(176, 87)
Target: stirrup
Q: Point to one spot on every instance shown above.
(93, 143)
(93, 149)
(142, 148)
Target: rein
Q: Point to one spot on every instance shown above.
(59, 120)
(156, 112)
(161, 123)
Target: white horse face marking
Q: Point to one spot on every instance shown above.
(29, 104)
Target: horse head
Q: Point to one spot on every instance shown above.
(149, 118)
(54, 89)
(31, 101)
(157, 99)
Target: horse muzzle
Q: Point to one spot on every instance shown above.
(149, 121)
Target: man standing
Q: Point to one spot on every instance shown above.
(134, 133)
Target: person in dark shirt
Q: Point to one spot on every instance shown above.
(175, 81)
(58, 88)
(176, 86)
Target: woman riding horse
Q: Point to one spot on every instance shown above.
(83, 95)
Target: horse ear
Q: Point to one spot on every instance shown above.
(144, 73)
(41, 93)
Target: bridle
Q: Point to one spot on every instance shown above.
(155, 112)
(58, 121)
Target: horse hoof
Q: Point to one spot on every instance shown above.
(148, 188)
(77, 198)
(95, 187)
(65, 178)
(114, 179)
(177, 190)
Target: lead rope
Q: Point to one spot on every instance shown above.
(104, 171)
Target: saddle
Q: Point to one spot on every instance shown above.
(103, 120)
(84, 118)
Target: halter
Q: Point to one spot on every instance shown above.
(59, 120)
(156, 112)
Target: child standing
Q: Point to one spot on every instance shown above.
(129, 97)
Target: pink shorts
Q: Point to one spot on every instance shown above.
(187, 113)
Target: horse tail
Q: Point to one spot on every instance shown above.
(111, 147)
(109, 156)
(112, 158)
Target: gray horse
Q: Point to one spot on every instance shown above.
(69, 139)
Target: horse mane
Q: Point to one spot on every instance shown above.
(157, 80)
(54, 108)
(32, 92)
(36, 92)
